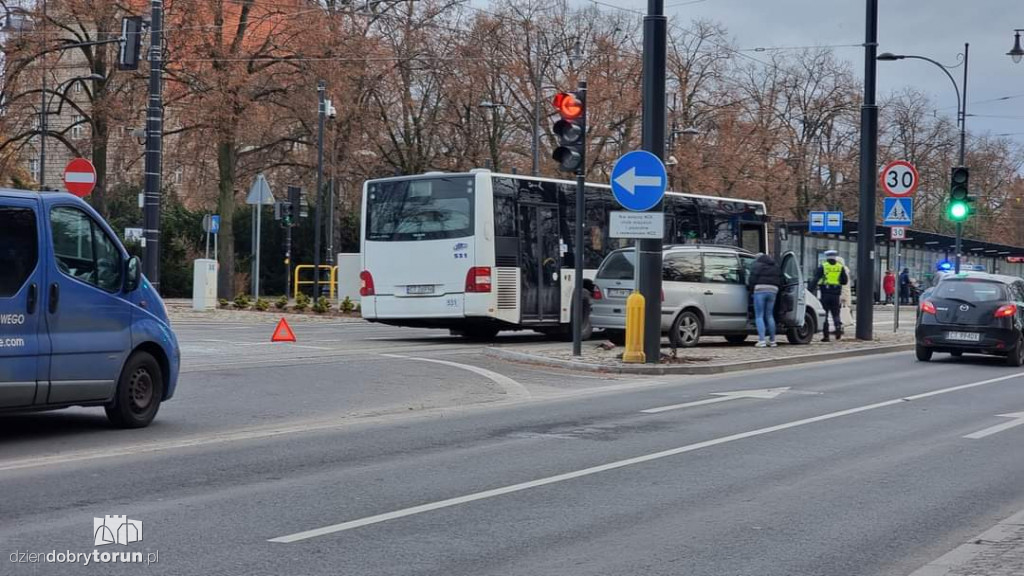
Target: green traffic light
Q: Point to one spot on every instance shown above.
(958, 211)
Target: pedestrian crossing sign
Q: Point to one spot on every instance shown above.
(898, 212)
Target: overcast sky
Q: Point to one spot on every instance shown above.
(933, 28)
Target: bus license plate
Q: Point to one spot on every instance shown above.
(964, 336)
(420, 289)
(618, 293)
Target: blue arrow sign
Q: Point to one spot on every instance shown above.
(215, 224)
(898, 212)
(639, 180)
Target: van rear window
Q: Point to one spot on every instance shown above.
(618, 266)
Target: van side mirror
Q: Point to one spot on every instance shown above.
(133, 274)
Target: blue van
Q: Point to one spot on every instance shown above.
(79, 323)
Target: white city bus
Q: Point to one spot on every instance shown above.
(480, 252)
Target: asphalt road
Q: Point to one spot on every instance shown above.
(849, 467)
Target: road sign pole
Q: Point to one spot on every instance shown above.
(959, 242)
(649, 264)
(577, 292)
(154, 146)
(256, 273)
(896, 308)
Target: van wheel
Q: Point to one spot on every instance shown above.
(139, 392)
(686, 330)
(804, 334)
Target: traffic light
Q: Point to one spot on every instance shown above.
(294, 204)
(959, 207)
(131, 43)
(283, 212)
(571, 131)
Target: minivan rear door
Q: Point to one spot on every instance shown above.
(24, 345)
(793, 296)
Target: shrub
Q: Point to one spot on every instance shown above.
(347, 305)
(301, 302)
(224, 302)
(322, 306)
(281, 303)
(242, 301)
(262, 305)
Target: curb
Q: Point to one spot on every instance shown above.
(523, 357)
(965, 553)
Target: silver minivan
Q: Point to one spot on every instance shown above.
(705, 294)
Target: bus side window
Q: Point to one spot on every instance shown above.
(504, 215)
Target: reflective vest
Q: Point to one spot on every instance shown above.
(833, 273)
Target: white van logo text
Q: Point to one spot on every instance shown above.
(12, 319)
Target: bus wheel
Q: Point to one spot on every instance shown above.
(565, 333)
(139, 392)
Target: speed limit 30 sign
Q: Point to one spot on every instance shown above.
(899, 178)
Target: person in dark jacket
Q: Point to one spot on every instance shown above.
(763, 282)
(905, 286)
(830, 277)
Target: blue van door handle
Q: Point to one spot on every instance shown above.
(32, 296)
(54, 297)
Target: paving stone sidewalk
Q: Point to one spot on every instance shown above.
(181, 311)
(712, 356)
(996, 552)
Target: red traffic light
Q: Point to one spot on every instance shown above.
(568, 105)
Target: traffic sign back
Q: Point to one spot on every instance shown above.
(639, 180)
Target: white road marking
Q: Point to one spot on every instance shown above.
(765, 394)
(508, 385)
(352, 524)
(1018, 419)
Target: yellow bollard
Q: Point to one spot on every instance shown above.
(634, 353)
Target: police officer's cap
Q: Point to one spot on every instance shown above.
(831, 253)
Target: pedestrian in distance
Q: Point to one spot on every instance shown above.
(905, 286)
(763, 283)
(846, 298)
(889, 286)
(830, 277)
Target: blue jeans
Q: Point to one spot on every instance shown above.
(764, 313)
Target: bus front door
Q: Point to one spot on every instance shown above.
(540, 261)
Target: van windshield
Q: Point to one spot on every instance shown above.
(618, 266)
(420, 209)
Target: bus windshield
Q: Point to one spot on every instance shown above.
(420, 209)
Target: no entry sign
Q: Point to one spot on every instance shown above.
(80, 177)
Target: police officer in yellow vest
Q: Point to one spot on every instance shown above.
(830, 277)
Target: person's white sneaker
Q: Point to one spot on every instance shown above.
(773, 344)
(760, 344)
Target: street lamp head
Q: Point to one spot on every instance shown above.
(889, 57)
(1016, 53)
(690, 131)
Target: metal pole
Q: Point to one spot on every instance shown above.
(649, 262)
(154, 145)
(42, 114)
(963, 152)
(321, 89)
(256, 276)
(252, 249)
(868, 177)
(330, 222)
(288, 260)
(577, 292)
(207, 243)
(896, 308)
(535, 170)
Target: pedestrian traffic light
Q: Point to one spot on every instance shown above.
(959, 207)
(131, 43)
(295, 200)
(571, 130)
(283, 212)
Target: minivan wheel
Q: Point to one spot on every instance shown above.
(1016, 356)
(804, 334)
(140, 390)
(923, 354)
(686, 330)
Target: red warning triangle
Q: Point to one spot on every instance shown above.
(283, 332)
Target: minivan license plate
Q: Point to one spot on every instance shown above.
(964, 336)
(618, 293)
(420, 289)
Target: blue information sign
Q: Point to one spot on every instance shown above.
(215, 224)
(825, 222)
(639, 180)
(898, 211)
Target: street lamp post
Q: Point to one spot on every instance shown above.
(961, 111)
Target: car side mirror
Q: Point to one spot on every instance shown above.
(133, 274)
